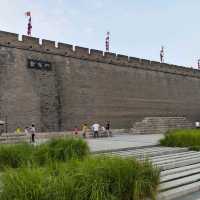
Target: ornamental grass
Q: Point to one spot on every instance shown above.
(182, 138)
(61, 150)
(92, 178)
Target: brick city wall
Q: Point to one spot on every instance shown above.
(88, 85)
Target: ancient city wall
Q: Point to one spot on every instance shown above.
(86, 85)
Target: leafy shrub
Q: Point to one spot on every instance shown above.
(93, 178)
(182, 138)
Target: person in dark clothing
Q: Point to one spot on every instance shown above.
(32, 130)
(109, 133)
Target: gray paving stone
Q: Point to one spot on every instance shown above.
(123, 141)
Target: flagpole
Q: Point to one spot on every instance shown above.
(107, 42)
(29, 26)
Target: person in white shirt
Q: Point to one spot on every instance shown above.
(197, 124)
(95, 128)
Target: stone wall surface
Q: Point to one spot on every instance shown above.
(89, 85)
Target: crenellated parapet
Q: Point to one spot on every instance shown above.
(46, 46)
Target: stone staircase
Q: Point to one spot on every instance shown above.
(160, 125)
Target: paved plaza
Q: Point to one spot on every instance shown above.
(123, 141)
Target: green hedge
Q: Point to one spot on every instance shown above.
(182, 138)
(94, 178)
(63, 150)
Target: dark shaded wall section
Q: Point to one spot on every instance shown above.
(87, 86)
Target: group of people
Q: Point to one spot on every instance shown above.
(97, 130)
(101, 130)
(28, 131)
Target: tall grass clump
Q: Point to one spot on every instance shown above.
(24, 184)
(36, 183)
(62, 150)
(114, 178)
(93, 178)
(67, 149)
(15, 156)
(182, 138)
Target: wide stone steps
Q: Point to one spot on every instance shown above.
(157, 125)
(180, 169)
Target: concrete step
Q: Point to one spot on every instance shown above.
(180, 175)
(151, 152)
(179, 182)
(167, 166)
(179, 169)
(158, 153)
(160, 125)
(173, 155)
(142, 151)
(179, 192)
(176, 159)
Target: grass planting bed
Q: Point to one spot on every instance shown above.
(65, 170)
(182, 138)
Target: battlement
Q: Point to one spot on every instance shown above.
(46, 46)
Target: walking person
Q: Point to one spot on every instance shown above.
(26, 130)
(103, 131)
(197, 124)
(84, 130)
(32, 130)
(76, 130)
(109, 133)
(95, 128)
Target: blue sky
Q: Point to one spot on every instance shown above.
(138, 27)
